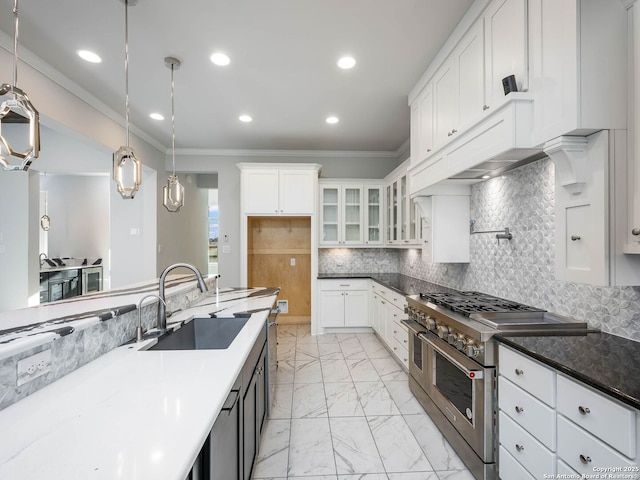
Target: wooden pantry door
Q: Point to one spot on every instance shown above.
(279, 255)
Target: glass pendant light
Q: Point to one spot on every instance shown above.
(45, 220)
(17, 109)
(127, 169)
(173, 191)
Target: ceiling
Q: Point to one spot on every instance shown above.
(283, 65)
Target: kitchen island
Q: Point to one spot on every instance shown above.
(131, 413)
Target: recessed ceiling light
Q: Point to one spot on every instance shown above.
(220, 59)
(347, 63)
(89, 56)
(245, 118)
(156, 116)
(332, 120)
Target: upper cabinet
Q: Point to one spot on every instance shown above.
(279, 189)
(578, 66)
(400, 212)
(350, 213)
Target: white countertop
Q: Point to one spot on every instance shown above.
(130, 414)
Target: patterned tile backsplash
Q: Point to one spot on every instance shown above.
(521, 269)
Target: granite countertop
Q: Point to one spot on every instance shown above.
(131, 413)
(396, 281)
(608, 363)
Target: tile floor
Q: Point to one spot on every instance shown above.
(343, 411)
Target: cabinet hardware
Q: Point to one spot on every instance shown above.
(635, 232)
(345, 284)
(428, 150)
(485, 107)
(583, 410)
(519, 447)
(449, 133)
(519, 371)
(584, 459)
(575, 237)
(519, 409)
(454, 131)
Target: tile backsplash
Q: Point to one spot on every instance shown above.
(521, 269)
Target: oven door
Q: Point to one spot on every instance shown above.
(91, 280)
(464, 391)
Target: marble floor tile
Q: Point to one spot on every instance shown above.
(345, 336)
(375, 399)
(353, 446)
(310, 448)
(404, 399)
(455, 475)
(440, 454)
(352, 349)
(307, 371)
(313, 477)
(389, 369)
(304, 334)
(343, 400)
(335, 371)
(330, 351)
(398, 447)
(284, 372)
(307, 351)
(287, 336)
(364, 476)
(362, 370)
(414, 476)
(282, 401)
(327, 338)
(374, 350)
(286, 351)
(308, 401)
(273, 457)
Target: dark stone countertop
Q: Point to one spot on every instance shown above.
(608, 363)
(396, 281)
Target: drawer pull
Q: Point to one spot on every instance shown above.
(575, 237)
(585, 460)
(521, 448)
(519, 409)
(583, 410)
(519, 371)
(635, 232)
(485, 107)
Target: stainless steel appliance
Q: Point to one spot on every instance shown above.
(453, 360)
(272, 356)
(91, 279)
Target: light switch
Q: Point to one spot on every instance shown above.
(226, 249)
(292, 262)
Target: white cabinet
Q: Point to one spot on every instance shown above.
(401, 219)
(350, 214)
(344, 303)
(445, 228)
(422, 124)
(551, 424)
(578, 66)
(277, 190)
(388, 313)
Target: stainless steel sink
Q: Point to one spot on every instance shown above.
(203, 334)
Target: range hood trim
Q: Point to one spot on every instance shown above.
(569, 154)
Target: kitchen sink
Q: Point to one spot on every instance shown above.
(203, 333)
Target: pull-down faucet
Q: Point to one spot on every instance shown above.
(162, 308)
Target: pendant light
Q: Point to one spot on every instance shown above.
(45, 221)
(127, 169)
(173, 191)
(17, 108)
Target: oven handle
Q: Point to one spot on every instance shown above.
(472, 374)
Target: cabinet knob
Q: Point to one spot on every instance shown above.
(635, 232)
(519, 371)
(519, 409)
(428, 150)
(575, 237)
(583, 410)
(485, 107)
(449, 133)
(519, 447)
(585, 459)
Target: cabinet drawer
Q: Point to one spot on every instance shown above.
(535, 378)
(583, 452)
(401, 352)
(401, 334)
(344, 284)
(529, 452)
(528, 412)
(566, 470)
(604, 418)
(510, 469)
(393, 297)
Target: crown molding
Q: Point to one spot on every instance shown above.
(212, 152)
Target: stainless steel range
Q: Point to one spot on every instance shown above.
(453, 360)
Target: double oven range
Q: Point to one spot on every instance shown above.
(453, 360)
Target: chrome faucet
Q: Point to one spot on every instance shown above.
(140, 331)
(42, 259)
(162, 306)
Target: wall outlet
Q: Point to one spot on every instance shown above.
(34, 366)
(283, 305)
(292, 262)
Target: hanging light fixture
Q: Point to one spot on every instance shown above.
(127, 169)
(45, 220)
(173, 191)
(17, 109)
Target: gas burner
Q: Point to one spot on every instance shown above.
(469, 302)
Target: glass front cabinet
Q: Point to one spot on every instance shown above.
(402, 219)
(350, 214)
